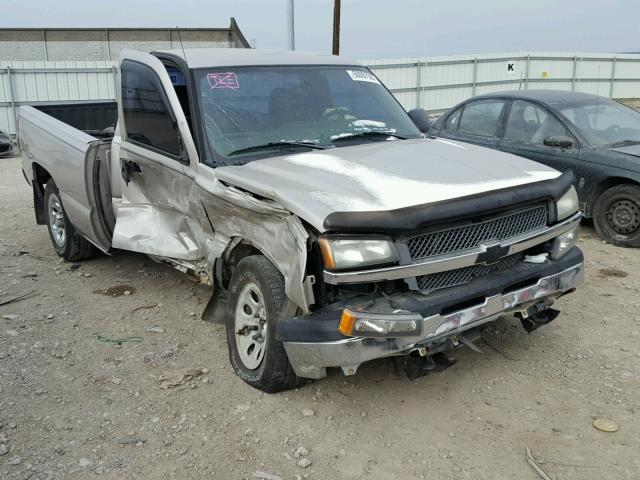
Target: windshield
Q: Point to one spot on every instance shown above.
(605, 122)
(286, 107)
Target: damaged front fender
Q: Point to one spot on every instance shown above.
(197, 219)
(236, 216)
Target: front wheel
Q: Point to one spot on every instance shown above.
(255, 303)
(616, 215)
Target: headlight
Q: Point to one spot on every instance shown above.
(565, 242)
(567, 204)
(341, 253)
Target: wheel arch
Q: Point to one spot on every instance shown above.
(40, 177)
(238, 249)
(603, 186)
(293, 271)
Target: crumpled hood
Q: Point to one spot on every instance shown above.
(381, 176)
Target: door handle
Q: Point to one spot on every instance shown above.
(127, 168)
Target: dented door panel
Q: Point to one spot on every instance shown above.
(155, 216)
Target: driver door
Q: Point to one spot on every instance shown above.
(158, 160)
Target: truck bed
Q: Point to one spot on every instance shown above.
(96, 118)
(65, 142)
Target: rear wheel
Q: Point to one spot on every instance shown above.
(255, 304)
(64, 238)
(616, 215)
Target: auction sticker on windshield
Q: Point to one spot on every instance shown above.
(223, 80)
(362, 76)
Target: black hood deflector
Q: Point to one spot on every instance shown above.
(420, 217)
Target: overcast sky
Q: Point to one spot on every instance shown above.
(370, 28)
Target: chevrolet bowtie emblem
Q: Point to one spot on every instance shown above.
(492, 254)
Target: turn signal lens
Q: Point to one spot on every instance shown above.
(327, 255)
(347, 321)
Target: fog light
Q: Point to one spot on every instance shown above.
(565, 242)
(360, 324)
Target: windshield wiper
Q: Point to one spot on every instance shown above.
(622, 143)
(311, 145)
(369, 134)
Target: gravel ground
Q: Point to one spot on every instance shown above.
(74, 407)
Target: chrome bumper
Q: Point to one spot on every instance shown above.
(310, 359)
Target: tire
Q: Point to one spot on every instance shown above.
(616, 215)
(64, 238)
(257, 288)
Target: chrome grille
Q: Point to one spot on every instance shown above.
(460, 238)
(464, 275)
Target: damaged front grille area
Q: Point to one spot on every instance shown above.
(460, 276)
(456, 239)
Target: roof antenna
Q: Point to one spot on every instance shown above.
(181, 45)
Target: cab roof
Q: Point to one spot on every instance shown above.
(240, 57)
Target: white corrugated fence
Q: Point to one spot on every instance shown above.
(438, 83)
(433, 83)
(41, 82)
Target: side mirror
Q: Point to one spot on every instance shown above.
(561, 141)
(420, 119)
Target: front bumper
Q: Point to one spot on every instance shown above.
(311, 358)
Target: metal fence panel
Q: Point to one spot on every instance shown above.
(627, 69)
(626, 90)
(596, 69)
(433, 83)
(6, 119)
(43, 82)
(442, 99)
(441, 82)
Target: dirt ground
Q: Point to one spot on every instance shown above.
(73, 407)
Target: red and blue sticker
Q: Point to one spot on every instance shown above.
(227, 80)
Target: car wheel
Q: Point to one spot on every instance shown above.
(64, 238)
(255, 304)
(616, 215)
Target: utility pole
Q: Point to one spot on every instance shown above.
(336, 27)
(291, 37)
